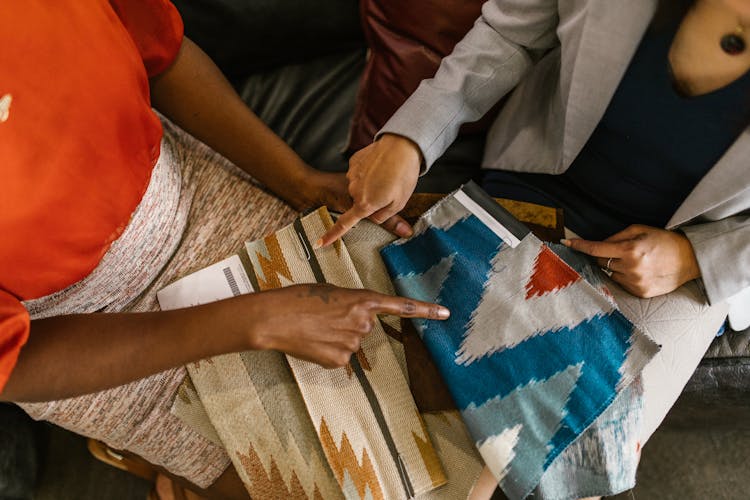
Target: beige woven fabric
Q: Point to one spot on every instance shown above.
(364, 415)
(188, 407)
(461, 461)
(262, 420)
(225, 210)
(457, 452)
(255, 407)
(363, 244)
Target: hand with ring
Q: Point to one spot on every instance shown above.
(646, 261)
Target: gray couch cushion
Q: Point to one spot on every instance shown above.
(730, 345)
(19, 453)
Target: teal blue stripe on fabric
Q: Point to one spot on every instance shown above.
(470, 246)
(603, 460)
(537, 407)
(468, 237)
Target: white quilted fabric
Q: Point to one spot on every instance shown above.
(684, 325)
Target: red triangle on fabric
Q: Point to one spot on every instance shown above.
(550, 274)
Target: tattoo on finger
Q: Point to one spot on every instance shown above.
(322, 292)
(409, 307)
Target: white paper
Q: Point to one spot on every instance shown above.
(487, 219)
(222, 280)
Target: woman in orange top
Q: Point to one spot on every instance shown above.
(96, 204)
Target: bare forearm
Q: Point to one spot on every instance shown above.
(195, 95)
(79, 354)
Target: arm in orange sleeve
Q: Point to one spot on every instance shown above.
(156, 29)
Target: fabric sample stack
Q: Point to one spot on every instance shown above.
(378, 442)
(294, 430)
(532, 352)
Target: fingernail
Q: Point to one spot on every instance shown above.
(318, 244)
(443, 313)
(403, 229)
(565, 242)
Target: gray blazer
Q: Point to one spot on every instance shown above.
(563, 60)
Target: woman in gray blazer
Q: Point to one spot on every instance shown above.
(633, 117)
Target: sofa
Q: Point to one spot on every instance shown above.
(298, 65)
(20, 452)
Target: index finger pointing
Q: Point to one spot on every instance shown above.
(343, 224)
(410, 308)
(596, 248)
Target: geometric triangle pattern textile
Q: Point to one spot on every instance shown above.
(371, 432)
(532, 353)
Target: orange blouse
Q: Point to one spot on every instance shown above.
(78, 139)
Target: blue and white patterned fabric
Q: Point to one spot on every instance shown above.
(532, 353)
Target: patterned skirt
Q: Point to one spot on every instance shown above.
(198, 209)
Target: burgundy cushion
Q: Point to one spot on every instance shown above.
(407, 40)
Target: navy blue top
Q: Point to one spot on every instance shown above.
(648, 152)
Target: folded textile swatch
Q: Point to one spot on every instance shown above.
(249, 403)
(532, 353)
(252, 402)
(378, 447)
(602, 461)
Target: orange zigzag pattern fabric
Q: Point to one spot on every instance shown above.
(270, 485)
(362, 361)
(344, 459)
(271, 269)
